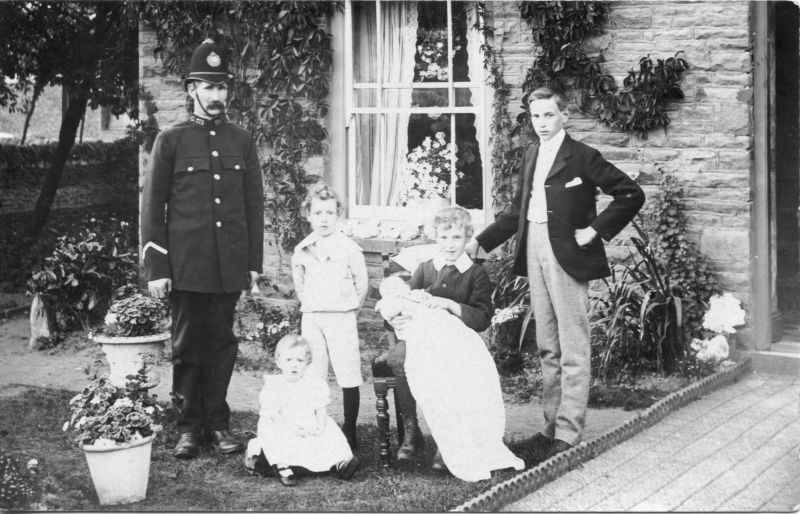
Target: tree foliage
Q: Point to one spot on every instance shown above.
(88, 48)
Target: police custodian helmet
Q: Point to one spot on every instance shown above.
(209, 64)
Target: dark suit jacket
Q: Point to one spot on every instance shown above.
(569, 208)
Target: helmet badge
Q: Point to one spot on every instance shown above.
(213, 60)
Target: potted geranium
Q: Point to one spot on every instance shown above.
(135, 326)
(115, 427)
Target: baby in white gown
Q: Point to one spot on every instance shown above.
(454, 380)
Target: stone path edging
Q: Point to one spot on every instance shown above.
(528, 481)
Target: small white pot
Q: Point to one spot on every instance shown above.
(120, 473)
(125, 355)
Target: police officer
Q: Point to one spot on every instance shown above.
(202, 234)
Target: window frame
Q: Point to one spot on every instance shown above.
(481, 108)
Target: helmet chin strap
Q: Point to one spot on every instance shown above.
(203, 107)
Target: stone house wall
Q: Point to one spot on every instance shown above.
(708, 144)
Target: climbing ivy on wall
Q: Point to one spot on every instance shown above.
(281, 60)
(558, 30)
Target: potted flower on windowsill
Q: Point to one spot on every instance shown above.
(115, 428)
(135, 326)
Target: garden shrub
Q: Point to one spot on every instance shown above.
(16, 261)
(509, 290)
(77, 280)
(259, 320)
(651, 308)
(678, 255)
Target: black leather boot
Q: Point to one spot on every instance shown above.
(413, 442)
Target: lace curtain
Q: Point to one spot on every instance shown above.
(383, 139)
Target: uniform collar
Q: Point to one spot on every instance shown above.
(555, 143)
(462, 264)
(204, 122)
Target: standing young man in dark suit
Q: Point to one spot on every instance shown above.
(203, 235)
(559, 248)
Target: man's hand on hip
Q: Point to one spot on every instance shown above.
(472, 247)
(160, 288)
(584, 236)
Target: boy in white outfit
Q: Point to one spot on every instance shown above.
(330, 278)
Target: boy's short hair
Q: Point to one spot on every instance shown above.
(321, 191)
(453, 217)
(544, 93)
(291, 341)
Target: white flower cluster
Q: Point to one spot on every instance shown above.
(110, 319)
(433, 51)
(724, 313)
(712, 350)
(427, 171)
(508, 314)
(723, 316)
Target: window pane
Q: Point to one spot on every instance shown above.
(432, 37)
(463, 97)
(365, 97)
(469, 165)
(430, 97)
(365, 46)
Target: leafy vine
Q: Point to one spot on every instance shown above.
(281, 58)
(558, 30)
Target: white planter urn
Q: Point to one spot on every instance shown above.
(120, 473)
(125, 355)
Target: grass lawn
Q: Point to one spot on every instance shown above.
(31, 428)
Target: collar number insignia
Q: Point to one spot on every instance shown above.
(213, 60)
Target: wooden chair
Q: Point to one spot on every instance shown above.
(383, 379)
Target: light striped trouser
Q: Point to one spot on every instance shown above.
(560, 308)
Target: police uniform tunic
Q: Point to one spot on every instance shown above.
(202, 208)
(203, 227)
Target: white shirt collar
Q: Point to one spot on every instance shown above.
(555, 143)
(462, 264)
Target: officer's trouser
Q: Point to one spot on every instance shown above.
(204, 351)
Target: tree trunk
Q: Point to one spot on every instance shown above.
(66, 140)
(28, 117)
(70, 121)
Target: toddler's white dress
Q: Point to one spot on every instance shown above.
(455, 382)
(297, 401)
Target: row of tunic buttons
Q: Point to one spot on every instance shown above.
(216, 175)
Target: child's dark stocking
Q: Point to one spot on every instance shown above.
(351, 398)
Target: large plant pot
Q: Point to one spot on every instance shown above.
(125, 355)
(120, 473)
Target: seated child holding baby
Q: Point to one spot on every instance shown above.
(294, 428)
(441, 361)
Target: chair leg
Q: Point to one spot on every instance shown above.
(382, 406)
(398, 417)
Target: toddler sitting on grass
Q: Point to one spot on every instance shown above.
(294, 428)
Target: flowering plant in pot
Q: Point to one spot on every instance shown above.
(136, 315)
(135, 326)
(426, 174)
(724, 314)
(115, 427)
